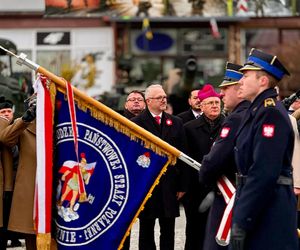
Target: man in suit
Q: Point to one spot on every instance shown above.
(201, 134)
(265, 212)
(164, 202)
(220, 160)
(195, 111)
(134, 104)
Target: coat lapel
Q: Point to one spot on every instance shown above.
(165, 127)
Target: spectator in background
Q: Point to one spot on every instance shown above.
(201, 134)
(134, 105)
(195, 108)
(6, 172)
(22, 133)
(164, 202)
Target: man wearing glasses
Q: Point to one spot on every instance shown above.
(164, 203)
(134, 105)
(201, 134)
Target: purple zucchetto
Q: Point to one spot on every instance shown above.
(207, 91)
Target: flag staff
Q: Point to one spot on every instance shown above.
(23, 60)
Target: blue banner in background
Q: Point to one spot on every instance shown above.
(116, 174)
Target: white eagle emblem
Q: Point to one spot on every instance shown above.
(144, 160)
(224, 132)
(268, 130)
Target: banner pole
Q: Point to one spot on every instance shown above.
(22, 59)
(190, 161)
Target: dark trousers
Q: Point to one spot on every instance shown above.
(195, 222)
(30, 241)
(5, 234)
(195, 231)
(167, 234)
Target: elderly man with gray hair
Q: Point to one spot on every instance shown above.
(164, 203)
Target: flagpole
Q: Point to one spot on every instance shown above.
(22, 59)
(190, 161)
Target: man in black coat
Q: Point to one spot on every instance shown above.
(201, 134)
(164, 203)
(195, 111)
(220, 160)
(134, 104)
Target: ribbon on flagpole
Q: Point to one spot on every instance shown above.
(71, 103)
(107, 117)
(44, 144)
(228, 192)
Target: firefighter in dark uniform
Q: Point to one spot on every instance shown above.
(264, 214)
(220, 160)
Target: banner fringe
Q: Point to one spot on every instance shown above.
(156, 182)
(43, 241)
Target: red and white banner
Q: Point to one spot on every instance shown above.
(44, 150)
(228, 192)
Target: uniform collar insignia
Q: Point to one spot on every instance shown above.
(269, 102)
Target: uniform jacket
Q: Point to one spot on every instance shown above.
(264, 146)
(220, 161)
(187, 116)
(21, 214)
(163, 202)
(6, 168)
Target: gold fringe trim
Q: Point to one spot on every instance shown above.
(127, 127)
(116, 120)
(43, 241)
(121, 124)
(156, 182)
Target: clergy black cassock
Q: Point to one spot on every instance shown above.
(200, 138)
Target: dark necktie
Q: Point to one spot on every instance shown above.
(157, 119)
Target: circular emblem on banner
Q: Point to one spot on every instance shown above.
(91, 190)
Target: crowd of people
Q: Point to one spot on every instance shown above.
(243, 197)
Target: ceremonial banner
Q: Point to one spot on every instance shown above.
(105, 167)
(98, 196)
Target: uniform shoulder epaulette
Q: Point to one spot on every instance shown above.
(269, 102)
